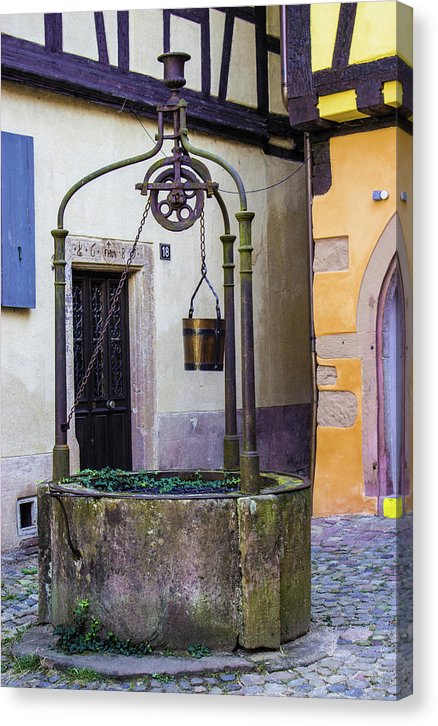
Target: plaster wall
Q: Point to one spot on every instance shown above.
(346, 303)
(71, 139)
(29, 26)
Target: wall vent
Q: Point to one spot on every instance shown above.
(27, 516)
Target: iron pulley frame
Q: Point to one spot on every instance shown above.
(185, 181)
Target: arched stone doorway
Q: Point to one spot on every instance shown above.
(384, 344)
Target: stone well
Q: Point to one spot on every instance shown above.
(219, 570)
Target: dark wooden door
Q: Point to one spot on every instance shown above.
(103, 420)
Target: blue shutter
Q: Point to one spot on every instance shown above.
(18, 221)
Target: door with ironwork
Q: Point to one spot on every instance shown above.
(103, 426)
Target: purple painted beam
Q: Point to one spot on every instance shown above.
(29, 63)
(101, 38)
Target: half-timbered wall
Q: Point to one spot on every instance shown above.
(349, 63)
(350, 87)
(110, 57)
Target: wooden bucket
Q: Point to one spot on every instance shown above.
(204, 342)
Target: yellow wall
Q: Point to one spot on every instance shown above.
(339, 474)
(323, 27)
(360, 163)
(381, 29)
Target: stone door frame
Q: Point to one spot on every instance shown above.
(104, 254)
(390, 249)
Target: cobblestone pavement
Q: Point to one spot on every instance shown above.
(361, 597)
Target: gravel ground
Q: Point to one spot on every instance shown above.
(361, 599)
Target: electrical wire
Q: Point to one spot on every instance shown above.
(270, 186)
(131, 110)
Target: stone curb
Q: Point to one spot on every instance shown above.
(40, 641)
(310, 648)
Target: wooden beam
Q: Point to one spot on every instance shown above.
(166, 31)
(102, 47)
(226, 53)
(30, 64)
(244, 13)
(261, 59)
(123, 39)
(205, 53)
(333, 80)
(299, 75)
(195, 15)
(341, 53)
(53, 31)
(281, 153)
(273, 44)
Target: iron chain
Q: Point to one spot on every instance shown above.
(204, 273)
(202, 233)
(113, 306)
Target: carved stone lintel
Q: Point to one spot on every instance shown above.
(92, 250)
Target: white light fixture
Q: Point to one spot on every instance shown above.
(380, 195)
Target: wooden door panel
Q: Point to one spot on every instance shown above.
(100, 439)
(117, 434)
(83, 435)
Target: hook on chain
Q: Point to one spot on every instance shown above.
(204, 273)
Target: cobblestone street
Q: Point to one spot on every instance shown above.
(360, 644)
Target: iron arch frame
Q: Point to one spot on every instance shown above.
(199, 182)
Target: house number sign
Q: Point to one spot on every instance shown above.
(165, 252)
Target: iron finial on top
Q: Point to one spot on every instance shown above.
(174, 69)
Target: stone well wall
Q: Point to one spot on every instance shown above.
(217, 570)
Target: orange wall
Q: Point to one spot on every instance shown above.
(360, 163)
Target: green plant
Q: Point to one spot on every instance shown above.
(29, 570)
(197, 650)
(262, 667)
(9, 596)
(84, 634)
(26, 663)
(84, 675)
(162, 677)
(117, 480)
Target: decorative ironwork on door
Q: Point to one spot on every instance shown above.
(103, 410)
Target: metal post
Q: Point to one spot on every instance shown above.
(61, 453)
(231, 439)
(249, 458)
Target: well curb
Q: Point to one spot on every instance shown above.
(40, 641)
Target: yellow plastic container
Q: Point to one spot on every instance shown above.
(393, 507)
